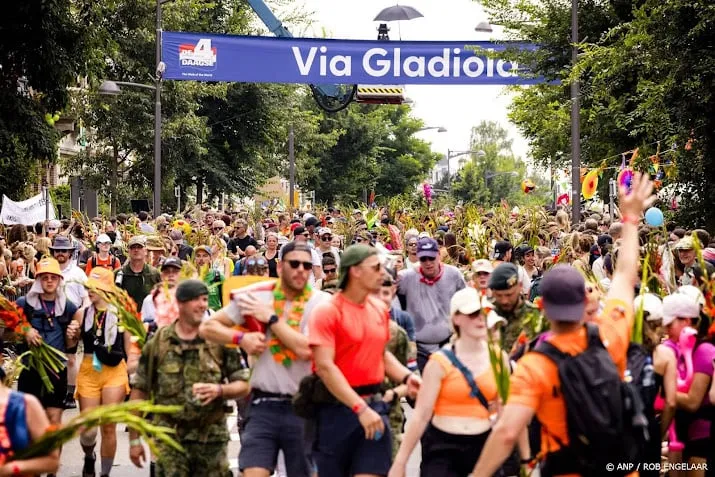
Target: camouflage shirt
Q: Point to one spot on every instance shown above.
(168, 369)
(525, 317)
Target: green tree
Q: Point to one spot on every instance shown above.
(43, 49)
(494, 173)
(646, 75)
(364, 148)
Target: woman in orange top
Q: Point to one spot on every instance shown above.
(451, 420)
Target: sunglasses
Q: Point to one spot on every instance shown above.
(217, 228)
(428, 259)
(325, 238)
(306, 234)
(61, 251)
(412, 244)
(377, 267)
(295, 264)
(330, 270)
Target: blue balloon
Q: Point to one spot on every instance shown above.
(654, 217)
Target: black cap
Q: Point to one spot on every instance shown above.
(299, 230)
(190, 289)
(505, 276)
(563, 290)
(172, 262)
(525, 248)
(311, 221)
(501, 248)
(604, 239)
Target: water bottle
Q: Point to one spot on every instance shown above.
(627, 376)
(120, 278)
(648, 379)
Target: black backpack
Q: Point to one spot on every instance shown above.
(642, 375)
(604, 414)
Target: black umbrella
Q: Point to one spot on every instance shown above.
(397, 13)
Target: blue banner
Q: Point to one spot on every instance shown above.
(258, 59)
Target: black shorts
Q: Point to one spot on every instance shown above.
(450, 455)
(698, 448)
(30, 382)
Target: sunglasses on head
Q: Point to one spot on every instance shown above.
(252, 262)
(428, 259)
(294, 264)
(330, 270)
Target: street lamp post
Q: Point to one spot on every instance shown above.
(575, 123)
(489, 175)
(113, 88)
(440, 129)
(452, 154)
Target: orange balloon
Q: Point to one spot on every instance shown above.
(590, 184)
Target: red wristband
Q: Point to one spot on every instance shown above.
(238, 337)
(630, 219)
(359, 407)
(15, 469)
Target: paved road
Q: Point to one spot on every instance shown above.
(72, 456)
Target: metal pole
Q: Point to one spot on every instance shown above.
(449, 158)
(291, 160)
(612, 191)
(157, 117)
(575, 123)
(46, 194)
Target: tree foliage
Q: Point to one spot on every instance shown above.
(646, 74)
(495, 173)
(41, 52)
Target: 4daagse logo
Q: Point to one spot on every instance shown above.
(202, 54)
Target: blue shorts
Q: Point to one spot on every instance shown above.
(341, 448)
(271, 426)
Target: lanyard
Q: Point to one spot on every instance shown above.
(49, 311)
(99, 319)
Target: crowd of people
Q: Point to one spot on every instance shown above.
(522, 345)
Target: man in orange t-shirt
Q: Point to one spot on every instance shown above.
(564, 296)
(348, 335)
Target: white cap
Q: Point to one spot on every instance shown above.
(104, 238)
(693, 292)
(324, 231)
(651, 304)
(494, 319)
(679, 305)
(54, 224)
(466, 301)
(482, 265)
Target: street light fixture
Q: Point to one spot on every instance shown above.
(489, 175)
(113, 88)
(440, 129)
(484, 27)
(452, 154)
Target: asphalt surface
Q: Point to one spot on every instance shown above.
(73, 457)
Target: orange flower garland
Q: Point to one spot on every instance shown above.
(281, 354)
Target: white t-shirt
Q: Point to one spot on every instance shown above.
(273, 377)
(74, 279)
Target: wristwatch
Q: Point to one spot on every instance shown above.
(272, 320)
